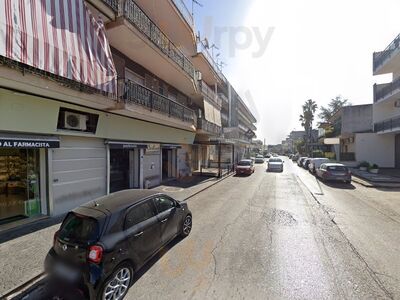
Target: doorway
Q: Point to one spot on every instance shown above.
(168, 164)
(124, 169)
(397, 151)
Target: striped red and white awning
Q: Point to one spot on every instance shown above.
(58, 36)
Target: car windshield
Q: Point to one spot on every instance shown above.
(275, 160)
(244, 163)
(77, 228)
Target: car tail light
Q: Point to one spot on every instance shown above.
(55, 237)
(95, 254)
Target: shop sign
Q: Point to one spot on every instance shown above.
(153, 149)
(28, 143)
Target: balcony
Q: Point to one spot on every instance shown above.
(223, 98)
(387, 91)
(186, 14)
(388, 126)
(381, 59)
(207, 127)
(206, 64)
(139, 38)
(134, 93)
(113, 4)
(210, 94)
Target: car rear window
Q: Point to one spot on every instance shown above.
(244, 163)
(337, 168)
(275, 160)
(78, 228)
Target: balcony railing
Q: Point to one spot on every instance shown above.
(187, 15)
(388, 125)
(223, 98)
(135, 15)
(113, 4)
(133, 93)
(381, 57)
(209, 127)
(385, 90)
(203, 49)
(210, 94)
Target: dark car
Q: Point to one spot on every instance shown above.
(306, 163)
(245, 167)
(301, 160)
(101, 244)
(334, 172)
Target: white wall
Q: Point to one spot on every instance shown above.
(375, 149)
(152, 169)
(385, 110)
(184, 161)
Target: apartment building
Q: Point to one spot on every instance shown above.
(386, 106)
(99, 96)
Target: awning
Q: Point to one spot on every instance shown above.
(21, 141)
(59, 37)
(332, 141)
(212, 113)
(125, 145)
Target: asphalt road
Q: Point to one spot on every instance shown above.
(282, 236)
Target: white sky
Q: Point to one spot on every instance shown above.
(319, 49)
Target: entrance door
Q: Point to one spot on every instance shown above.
(397, 151)
(19, 184)
(168, 163)
(124, 169)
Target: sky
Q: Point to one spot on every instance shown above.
(313, 50)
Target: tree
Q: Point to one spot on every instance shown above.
(307, 119)
(334, 105)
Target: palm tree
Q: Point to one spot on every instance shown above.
(307, 119)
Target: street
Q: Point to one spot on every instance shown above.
(281, 236)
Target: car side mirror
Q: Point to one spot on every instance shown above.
(178, 204)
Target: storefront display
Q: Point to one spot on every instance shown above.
(19, 184)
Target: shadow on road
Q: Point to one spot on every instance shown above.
(338, 185)
(189, 181)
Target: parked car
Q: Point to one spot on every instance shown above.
(268, 155)
(316, 163)
(334, 172)
(295, 157)
(259, 159)
(245, 167)
(101, 244)
(306, 163)
(300, 161)
(275, 164)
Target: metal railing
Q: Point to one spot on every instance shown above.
(209, 127)
(135, 15)
(133, 93)
(187, 15)
(203, 49)
(386, 89)
(113, 4)
(381, 57)
(387, 125)
(210, 93)
(223, 98)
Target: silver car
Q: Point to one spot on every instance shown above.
(334, 172)
(316, 163)
(275, 164)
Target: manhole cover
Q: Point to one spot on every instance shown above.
(172, 189)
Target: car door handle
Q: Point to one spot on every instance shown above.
(165, 220)
(138, 234)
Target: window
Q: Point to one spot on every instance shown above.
(139, 214)
(78, 228)
(163, 204)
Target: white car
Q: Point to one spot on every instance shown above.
(316, 163)
(275, 164)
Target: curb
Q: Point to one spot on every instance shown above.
(368, 184)
(207, 187)
(25, 287)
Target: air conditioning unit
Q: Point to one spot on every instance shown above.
(199, 76)
(75, 121)
(397, 103)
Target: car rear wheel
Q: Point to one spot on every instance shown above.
(186, 226)
(118, 284)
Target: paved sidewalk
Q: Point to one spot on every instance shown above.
(22, 255)
(382, 180)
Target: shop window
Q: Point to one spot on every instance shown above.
(74, 120)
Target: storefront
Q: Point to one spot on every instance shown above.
(23, 180)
